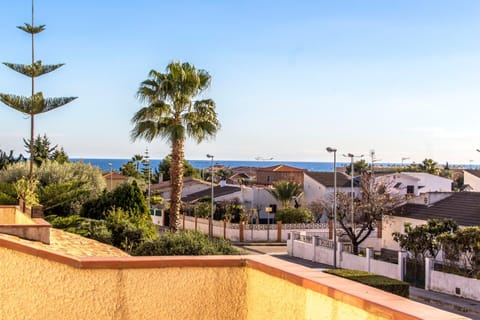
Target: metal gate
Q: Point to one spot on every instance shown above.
(415, 273)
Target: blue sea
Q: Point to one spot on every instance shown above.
(103, 164)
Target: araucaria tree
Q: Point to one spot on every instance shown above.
(36, 103)
(171, 113)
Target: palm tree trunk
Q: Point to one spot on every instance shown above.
(176, 179)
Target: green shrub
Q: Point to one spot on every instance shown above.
(294, 215)
(127, 197)
(185, 243)
(8, 194)
(380, 282)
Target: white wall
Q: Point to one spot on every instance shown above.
(447, 283)
(471, 180)
(430, 182)
(392, 224)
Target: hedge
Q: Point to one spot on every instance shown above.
(380, 282)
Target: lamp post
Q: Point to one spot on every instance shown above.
(268, 210)
(211, 184)
(111, 174)
(334, 151)
(351, 156)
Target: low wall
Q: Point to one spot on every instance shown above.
(451, 283)
(17, 223)
(321, 250)
(251, 232)
(40, 284)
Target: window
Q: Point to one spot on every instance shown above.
(410, 189)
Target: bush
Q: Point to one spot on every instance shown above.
(189, 243)
(62, 188)
(294, 215)
(8, 194)
(127, 197)
(380, 282)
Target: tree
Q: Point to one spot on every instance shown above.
(130, 170)
(36, 103)
(172, 114)
(358, 167)
(377, 199)
(7, 159)
(429, 166)
(421, 241)
(166, 164)
(137, 159)
(284, 191)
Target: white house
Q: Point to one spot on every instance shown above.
(190, 186)
(463, 207)
(319, 186)
(471, 178)
(415, 183)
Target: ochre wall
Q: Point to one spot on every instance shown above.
(37, 288)
(270, 297)
(7, 215)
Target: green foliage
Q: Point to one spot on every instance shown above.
(128, 230)
(62, 188)
(358, 167)
(129, 169)
(185, 243)
(380, 282)
(462, 246)
(7, 159)
(42, 149)
(27, 191)
(202, 209)
(127, 197)
(165, 165)
(284, 191)
(8, 194)
(294, 215)
(421, 241)
(429, 166)
(93, 229)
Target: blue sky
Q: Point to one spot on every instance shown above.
(289, 77)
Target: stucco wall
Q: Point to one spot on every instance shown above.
(36, 288)
(7, 215)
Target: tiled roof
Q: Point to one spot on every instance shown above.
(71, 244)
(463, 207)
(326, 178)
(115, 176)
(166, 185)
(281, 168)
(218, 191)
(476, 173)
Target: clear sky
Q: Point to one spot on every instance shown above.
(289, 77)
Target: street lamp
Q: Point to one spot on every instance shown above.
(211, 184)
(334, 151)
(351, 156)
(111, 174)
(403, 159)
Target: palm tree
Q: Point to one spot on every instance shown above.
(137, 158)
(284, 191)
(429, 166)
(173, 114)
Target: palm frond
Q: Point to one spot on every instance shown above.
(32, 29)
(35, 70)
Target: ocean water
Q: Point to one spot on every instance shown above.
(104, 164)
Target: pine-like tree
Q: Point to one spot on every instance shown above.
(36, 103)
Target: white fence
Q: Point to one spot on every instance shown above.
(311, 247)
(320, 250)
(251, 232)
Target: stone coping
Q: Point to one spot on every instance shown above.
(372, 300)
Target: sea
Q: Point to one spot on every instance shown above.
(116, 164)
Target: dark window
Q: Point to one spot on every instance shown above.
(410, 189)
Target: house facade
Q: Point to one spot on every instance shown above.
(269, 175)
(471, 178)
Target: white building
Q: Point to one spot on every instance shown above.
(471, 180)
(415, 183)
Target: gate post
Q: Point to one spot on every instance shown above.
(279, 231)
(428, 272)
(402, 256)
